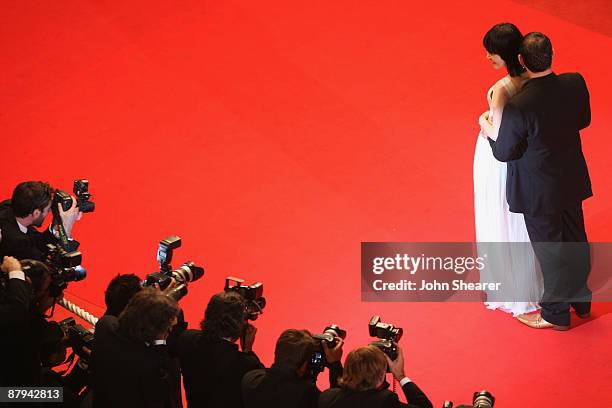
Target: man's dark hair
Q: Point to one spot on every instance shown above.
(119, 292)
(147, 315)
(293, 348)
(537, 52)
(29, 196)
(504, 40)
(225, 315)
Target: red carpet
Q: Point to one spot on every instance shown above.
(275, 137)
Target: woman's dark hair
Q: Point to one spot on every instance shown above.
(293, 348)
(225, 316)
(29, 196)
(147, 315)
(119, 292)
(504, 40)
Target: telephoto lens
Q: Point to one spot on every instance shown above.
(74, 274)
(188, 272)
(483, 399)
(178, 292)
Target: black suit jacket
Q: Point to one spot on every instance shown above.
(14, 303)
(279, 386)
(14, 322)
(20, 350)
(128, 374)
(341, 398)
(212, 370)
(32, 245)
(539, 138)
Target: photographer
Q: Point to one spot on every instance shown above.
(212, 365)
(53, 354)
(363, 383)
(14, 294)
(132, 363)
(118, 294)
(21, 340)
(24, 213)
(288, 383)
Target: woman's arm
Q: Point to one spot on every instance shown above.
(491, 128)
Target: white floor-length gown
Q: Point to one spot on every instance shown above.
(513, 265)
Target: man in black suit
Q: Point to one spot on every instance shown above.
(15, 298)
(121, 289)
(548, 179)
(21, 335)
(132, 364)
(24, 213)
(15, 294)
(288, 383)
(211, 362)
(363, 383)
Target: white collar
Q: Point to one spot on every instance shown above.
(21, 227)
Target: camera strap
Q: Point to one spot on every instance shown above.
(70, 362)
(61, 231)
(50, 315)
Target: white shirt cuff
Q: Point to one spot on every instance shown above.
(405, 381)
(16, 275)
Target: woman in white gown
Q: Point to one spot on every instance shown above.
(512, 265)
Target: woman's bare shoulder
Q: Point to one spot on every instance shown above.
(499, 93)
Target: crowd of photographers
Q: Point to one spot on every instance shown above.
(141, 347)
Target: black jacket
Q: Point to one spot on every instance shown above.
(32, 245)
(341, 398)
(14, 303)
(128, 374)
(539, 138)
(213, 369)
(279, 386)
(20, 350)
(105, 331)
(71, 383)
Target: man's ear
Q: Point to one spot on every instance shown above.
(522, 62)
(36, 213)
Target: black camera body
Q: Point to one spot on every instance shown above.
(77, 337)
(388, 336)
(83, 197)
(481, 399)
(81, 191)
(253, 295)
(330, 335)
(65, 267)
(188, 272)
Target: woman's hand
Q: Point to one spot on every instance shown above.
(484, 120)
(486, 125)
